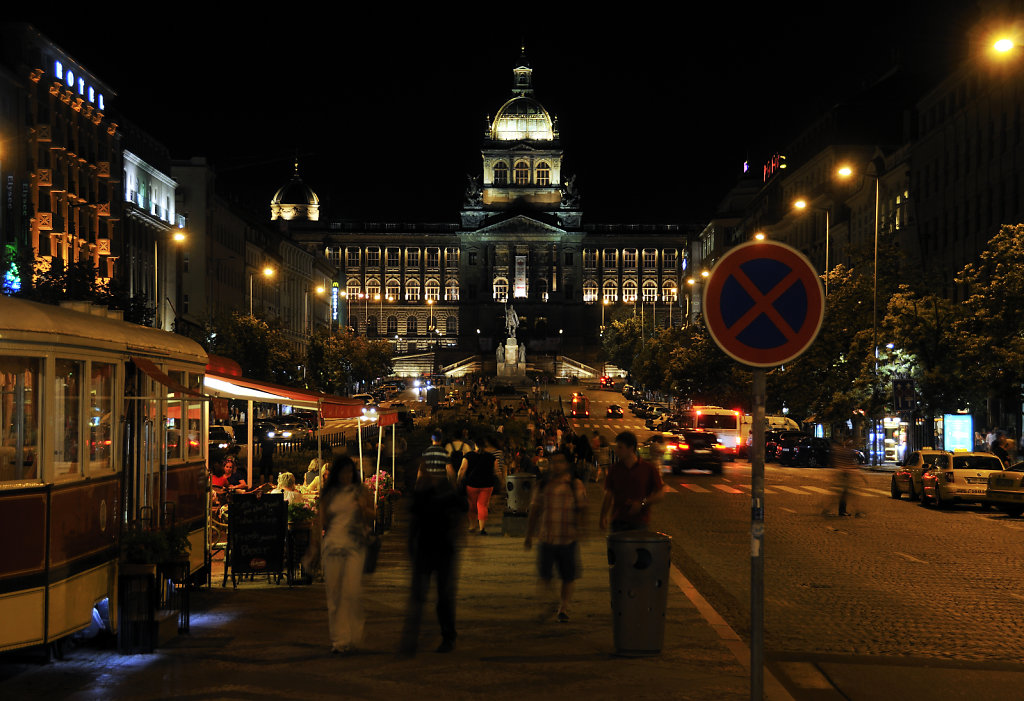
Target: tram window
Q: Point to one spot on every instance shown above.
(101, 409)
(175, 423)
(196, 439)
(67, 406)
(19, 419)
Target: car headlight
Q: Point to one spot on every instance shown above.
(270, 434)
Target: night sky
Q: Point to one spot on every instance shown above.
(657, 115)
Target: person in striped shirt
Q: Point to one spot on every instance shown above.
(556, 512)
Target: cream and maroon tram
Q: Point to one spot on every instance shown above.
(98, 419)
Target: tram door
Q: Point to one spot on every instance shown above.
(145, 449)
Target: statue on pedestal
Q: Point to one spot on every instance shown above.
(511, 321)
(522, 352)
(500, 354)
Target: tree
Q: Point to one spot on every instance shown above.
(990, 332)
(698, 370)
(337, 360)
(260, 348)
(622, 341)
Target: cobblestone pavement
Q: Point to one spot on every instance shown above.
(899, 579)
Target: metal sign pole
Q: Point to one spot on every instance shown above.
(757, 539)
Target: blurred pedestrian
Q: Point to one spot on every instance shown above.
(477, 476)
(556, 515)
(435, 516)
(632, 486)
(347, 513)
(844, 460)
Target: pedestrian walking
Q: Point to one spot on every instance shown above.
(844, 460)
(434, 525)
(556, 515)
(632, 486)
(347, 513)
(476, 475)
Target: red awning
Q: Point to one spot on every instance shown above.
(387, 417)
(331, 406)
(225, 367)
(149, 367)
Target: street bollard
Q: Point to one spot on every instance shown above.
(638, 565)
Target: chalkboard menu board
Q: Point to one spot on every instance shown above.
(257, 525)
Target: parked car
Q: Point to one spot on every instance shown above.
(812, 452)
(1005, 490)
(291, 432)
(656, 416)
(964, 479)
(785, 450)
(614, 411)
(693, 449)
(907, 477)
(260, 430)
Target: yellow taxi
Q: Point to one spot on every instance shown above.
(1005, 490)
(964, 479)
(907, 477)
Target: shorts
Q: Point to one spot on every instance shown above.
(567, 557)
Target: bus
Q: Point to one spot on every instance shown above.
(580, 406)
(102, 423)
(725, 423)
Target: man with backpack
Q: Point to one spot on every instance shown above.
(556, 514)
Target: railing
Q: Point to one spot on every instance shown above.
(574, 367)
(462, 367)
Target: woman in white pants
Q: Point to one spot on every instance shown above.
(347, 514)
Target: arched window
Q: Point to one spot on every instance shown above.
(541, 288)
(410, 326)
(392, 325)
(589, 291)
(451, 291)
(433, 290)
(393, 289)
(501, 173)
(543, 173)
(629, 291)
(522, 173)
(611, 291)
(500, 289)
(412, 290)
(371, 326)
(669, 292)
(650, 290)
(372, 289)
(451, 326)
(352, 289)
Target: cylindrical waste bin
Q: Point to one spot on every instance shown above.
(638, 563)
(520, 488)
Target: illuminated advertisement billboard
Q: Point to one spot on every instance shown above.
(957, 432)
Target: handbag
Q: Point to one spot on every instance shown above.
(372, 551)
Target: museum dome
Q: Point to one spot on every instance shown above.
(522, 117)
(295, 200)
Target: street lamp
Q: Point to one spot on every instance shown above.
(846, 172)
(801, 205)
(319, 291)
(159, 275)
(675, 296)
(759, 236)
(267, 272)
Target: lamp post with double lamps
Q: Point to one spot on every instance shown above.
(801, 205)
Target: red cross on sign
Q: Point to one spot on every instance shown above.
(763, 303)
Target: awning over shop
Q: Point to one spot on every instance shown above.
(149, 367)
(330, 406)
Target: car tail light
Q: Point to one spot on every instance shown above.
(684, 446)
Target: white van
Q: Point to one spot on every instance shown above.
(771, 423)
(724, 423)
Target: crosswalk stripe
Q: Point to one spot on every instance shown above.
(819, 490)
(791, 490)
(669, 488)
(727, 489)
(694, 487)
(876, 491)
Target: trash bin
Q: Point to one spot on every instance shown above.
(520, 488)
(638, 564)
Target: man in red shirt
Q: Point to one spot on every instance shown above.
(631, 487)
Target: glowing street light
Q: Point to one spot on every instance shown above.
(267, 272)
(759, 236)
(1004, 45)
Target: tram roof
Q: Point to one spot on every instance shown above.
(23, 320)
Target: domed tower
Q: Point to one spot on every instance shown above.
(522, 154)
(295, 201)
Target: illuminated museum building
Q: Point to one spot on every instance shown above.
(520, 239)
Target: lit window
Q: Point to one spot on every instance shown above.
(589, 258)
(352, 289)
(543, 173)
(522, 173)
(412, 257)
(500, 289)
(393, 289)
(629, 258)
(433, 290)
(669, 292)
(433, 257)
(451, 291)
(629, 292)
(668, 258)
(412, 291)
(501, 174)
(352, 257)
(451, 257)
(611, 291)
(650, 258)
(650, 290)
(590, 291)
(372, 289)
(611, 258)
(394, 257)
(373, 257)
